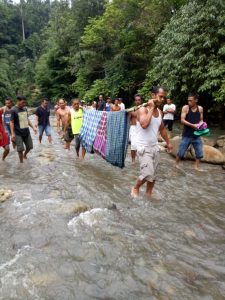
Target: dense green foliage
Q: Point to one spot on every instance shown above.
(18, 53)
(86, 47)
(194, 56)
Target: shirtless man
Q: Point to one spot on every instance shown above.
(56, 107)
(149, 124)
(62, 116)
(133, 122)
(116, 106)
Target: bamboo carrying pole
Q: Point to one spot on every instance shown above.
(134, 108)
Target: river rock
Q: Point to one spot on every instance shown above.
(162, 148)
(112, 206)
(31, 111)
(5, 195)
(161, 140)
(163, 144)
(43, 280)
(211, 154)
(221, 141)
(209, 141)
(78, 208)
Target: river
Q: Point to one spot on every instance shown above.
(119, 248)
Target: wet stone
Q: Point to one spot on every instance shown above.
(5, 195)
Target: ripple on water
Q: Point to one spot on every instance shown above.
(173, 249)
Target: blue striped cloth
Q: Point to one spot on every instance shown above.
(117, 138)
(89, 128)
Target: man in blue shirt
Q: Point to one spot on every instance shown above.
(43, 124)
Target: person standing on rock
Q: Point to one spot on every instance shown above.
(75, 120)
(19, 126)
(168, 114)
(62, 117)
(191, 115)
(133, 127)
(43, 123)
(149, 124)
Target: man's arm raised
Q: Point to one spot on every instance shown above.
(144, 115)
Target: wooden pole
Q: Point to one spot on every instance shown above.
(134, 108)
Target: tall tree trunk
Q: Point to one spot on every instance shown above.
(22, 20)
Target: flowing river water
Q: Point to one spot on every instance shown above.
(135, 249)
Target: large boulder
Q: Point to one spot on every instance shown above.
(220, 141)
(209, 141)
(211, 154)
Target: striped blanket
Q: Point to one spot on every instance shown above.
(107, 134)
(101, 138)
(117, 138)
(89, 128)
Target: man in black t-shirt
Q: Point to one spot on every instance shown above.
(101, 103)
(43, 124)
(19, 126)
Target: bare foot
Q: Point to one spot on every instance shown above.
(153, 198)
(177, 166)
(134, 193)
(24, 157)
(148, 196)
(199, 169)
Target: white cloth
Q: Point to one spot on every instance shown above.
(148, 137)
(168, 116)
(133, 137)
(122, 105)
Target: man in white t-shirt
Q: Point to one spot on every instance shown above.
(121, 104)
(168, 114)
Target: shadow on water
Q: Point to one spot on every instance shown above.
(60, 241)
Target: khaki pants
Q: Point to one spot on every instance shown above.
(149, 161)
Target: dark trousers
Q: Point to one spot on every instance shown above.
(168, 124)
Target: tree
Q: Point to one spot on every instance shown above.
(116, 46)
(59, 56)
(190, 53)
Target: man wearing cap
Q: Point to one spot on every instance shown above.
(191, 116)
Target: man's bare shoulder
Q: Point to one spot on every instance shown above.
(185, 108)
(200, 108)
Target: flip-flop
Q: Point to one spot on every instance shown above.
(202, 132)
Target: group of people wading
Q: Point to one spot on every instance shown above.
(147, 122)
